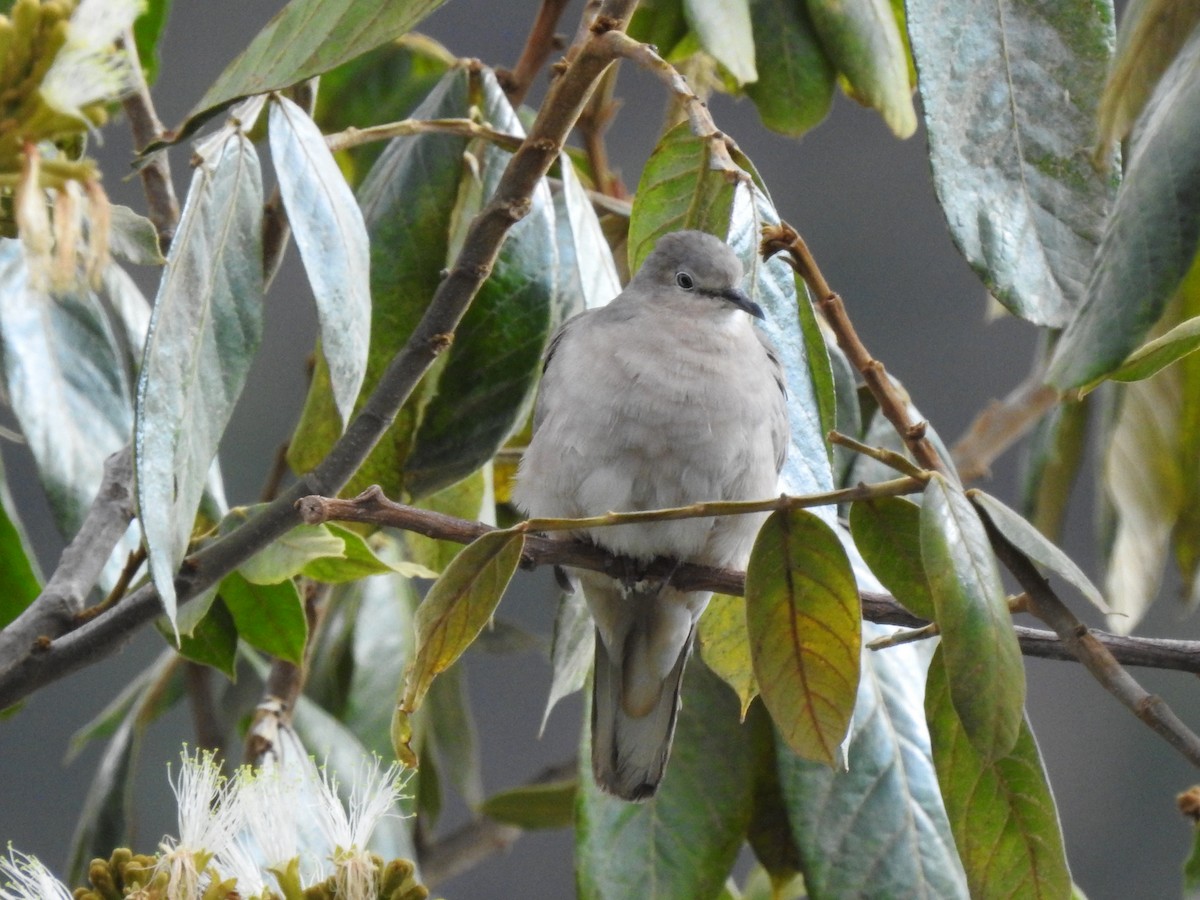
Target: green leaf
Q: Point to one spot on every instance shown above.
(725, 646)
(458, 606)
(288, 556)
(1026, 538)
(805, 631)
(1002, 813)
(1024, 203)
(572, 649)
(1151, 236)
(769, 833)
(133, 238)
(147, 30)
(659, 23)
(794, 91)
(887, 532)
(212, 640)
(384, 85)
(862, 38)
(1191, 869)
(877, 828)
(332, 238)
(206, 327)
(684, 841)
(1159, 353)
(485, 386)
(534, 806)
(306, 38)
(450, 734)
(67, 381)
(267, 616)
(983, 659)
(357, 560)
(679, 188)
(725, 33)
(20, 582)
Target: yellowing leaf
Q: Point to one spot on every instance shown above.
(725, 646)
(458, 606)
(805, 630)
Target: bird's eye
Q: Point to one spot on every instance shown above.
(684, 280)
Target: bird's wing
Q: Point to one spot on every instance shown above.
(556, 339)
(780, 432)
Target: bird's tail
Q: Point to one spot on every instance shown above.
(629, 752)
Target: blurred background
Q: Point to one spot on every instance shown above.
(865, 203)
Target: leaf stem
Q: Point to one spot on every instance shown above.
(895, 487)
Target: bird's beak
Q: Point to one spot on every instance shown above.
(741, 301)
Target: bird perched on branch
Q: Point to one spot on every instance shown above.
(667, 396)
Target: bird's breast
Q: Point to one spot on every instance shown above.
(636, 419)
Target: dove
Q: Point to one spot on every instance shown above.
(667, 396)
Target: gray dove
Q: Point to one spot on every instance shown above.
(667, 396)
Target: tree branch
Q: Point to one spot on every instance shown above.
(374, 508)
(586, 62)
(783, 238)
(1000, 425)
(1085, 646)
(155, 171)
(468, 846)
(542, 41)
(58, 608)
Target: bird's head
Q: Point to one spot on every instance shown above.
(690, 268)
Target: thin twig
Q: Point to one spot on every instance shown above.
(283, 685)
(511, 202)
(155, 173)
(469, 128)
(374, 508)
(1000, 425)
(57, 609)
(890, 458)
(540, 43)
(480, 838)
(1085, 647)
(593, 125)
(205, 723)
(783, 238)
(700, 120)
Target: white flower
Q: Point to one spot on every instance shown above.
(25, 878)
(90, 68)
(210, 815)
(372, 796)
